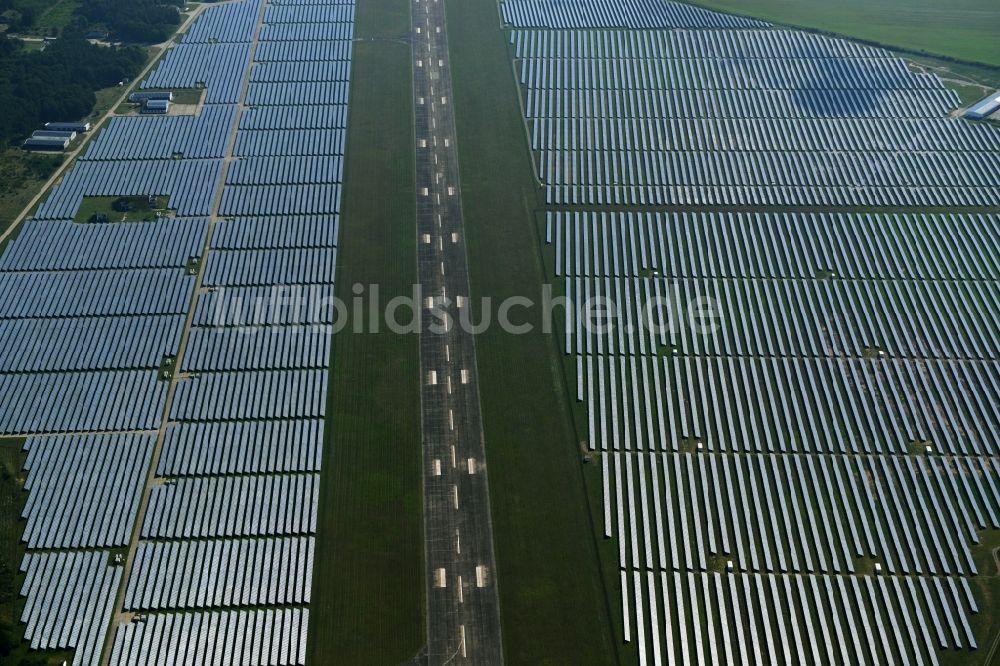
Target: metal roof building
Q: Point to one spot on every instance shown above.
(155, 106)
(45, 143)
(53, 133)
(68, 127)
(146, 96)
(985, 109)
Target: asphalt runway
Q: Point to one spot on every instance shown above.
(463, 610)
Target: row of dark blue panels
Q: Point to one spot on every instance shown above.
(846, 197)
(142, 343)
(860, 170)
(872, 135)
(859, 406)
(165, 243)
(792, 245)
(219, 67)
(638, 14)
(765, 104)
(684, 44)
(730, 75)
(783, 317)
(915, 515)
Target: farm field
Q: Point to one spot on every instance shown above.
(368, 605)
(962, 29)
(554, 609)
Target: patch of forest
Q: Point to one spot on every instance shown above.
(58, 83)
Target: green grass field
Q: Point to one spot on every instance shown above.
(57, 17)
(21, 176)
(368, 596)
(136, 209)
(552, 596)
(963, 29)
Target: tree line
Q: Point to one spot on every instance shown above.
(57, 83)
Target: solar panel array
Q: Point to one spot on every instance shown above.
(785, 349)
(70, 596)
(737, 118)
(93, 333)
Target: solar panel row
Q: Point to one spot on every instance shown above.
(247, 268)
(94, 293)
(158, 138)
(884, 406)
(231, 573)
(297, 51)
(65, 345)
(754, 245)
(254, 447)
(764, 135)
(256, 394)
(790, 619)
(272, 637)
(770, 513)
(83, 491)
(257, 348)
(685, 44)
(65, 246)
(616, 14)
(799, 74)
(233, 506)
(290, 142)
(80, 402)
(262, 306)
(791, 317)
(262, 233)
(284, 72)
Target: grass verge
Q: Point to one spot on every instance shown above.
(368, 594)
(552, 600)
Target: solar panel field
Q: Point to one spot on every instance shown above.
(784, 442)
(174, 428)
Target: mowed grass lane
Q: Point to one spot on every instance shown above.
(368, 594)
